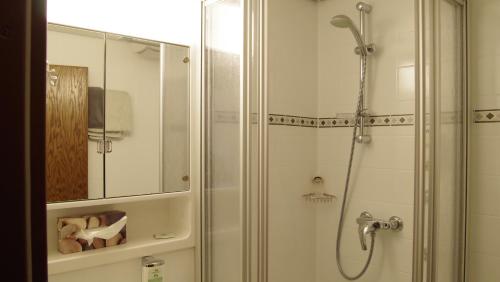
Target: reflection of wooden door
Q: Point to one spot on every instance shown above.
(66, 149)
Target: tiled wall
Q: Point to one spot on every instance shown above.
(382, 178)
(314, 78)
(382, 183)
(485, 153)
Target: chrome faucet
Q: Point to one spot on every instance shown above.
(368, 225)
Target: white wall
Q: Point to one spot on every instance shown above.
(163, 20)
(485, 155)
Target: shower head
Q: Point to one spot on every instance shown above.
(343, 21)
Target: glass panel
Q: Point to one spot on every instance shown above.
(175, 121)
(75, 168)
(132, 116)
(223, 189)
(449, 147)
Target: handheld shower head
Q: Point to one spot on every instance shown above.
(343, 21)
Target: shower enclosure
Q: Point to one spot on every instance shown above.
(280, 106)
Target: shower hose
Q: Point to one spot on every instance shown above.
(357, 121)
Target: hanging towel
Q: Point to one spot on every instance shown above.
(96, 107)
(118, 116)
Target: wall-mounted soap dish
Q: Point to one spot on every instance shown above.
(319, 197)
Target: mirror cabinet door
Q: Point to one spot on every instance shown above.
(132, 116)
(74, 106)
(175, 118)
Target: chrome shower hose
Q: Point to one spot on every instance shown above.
(359, 112)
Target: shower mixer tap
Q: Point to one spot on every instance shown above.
(368, 226)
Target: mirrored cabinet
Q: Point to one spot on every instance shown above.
(117, 115)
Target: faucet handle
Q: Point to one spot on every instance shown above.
(396, 223)
(364, 217)
(362, 237)
(366, 225)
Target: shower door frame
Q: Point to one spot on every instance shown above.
(253, 155)
(254, 73)
(426, 171)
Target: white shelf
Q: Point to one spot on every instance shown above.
(117, 200)
(147, 215)
(59, 263)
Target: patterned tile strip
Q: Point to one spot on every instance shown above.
(335, 122)
(375, 120)
(288, 120)
(479, 116)
(486, 116)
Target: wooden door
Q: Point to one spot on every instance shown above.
(66, 149)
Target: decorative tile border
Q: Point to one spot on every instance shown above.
(335, 122)
(375, 120)
(486, 116)
(479, 116)
(288, 120)
(402, 120)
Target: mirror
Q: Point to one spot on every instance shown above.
(117, 121)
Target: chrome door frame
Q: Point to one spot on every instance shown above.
(253, 84)
(420, 134)
(424, 201)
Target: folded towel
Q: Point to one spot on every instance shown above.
(118, 116)
(118, 112)
(97, 134)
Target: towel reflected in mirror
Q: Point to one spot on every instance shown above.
(118, 118)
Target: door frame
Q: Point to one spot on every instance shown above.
(23, 45)
(425, 204)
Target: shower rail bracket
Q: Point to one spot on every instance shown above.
(370, 49)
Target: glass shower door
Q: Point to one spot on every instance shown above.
(442, 127)
(223, 143)
(449, 141)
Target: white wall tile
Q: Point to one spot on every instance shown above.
(485, 153)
